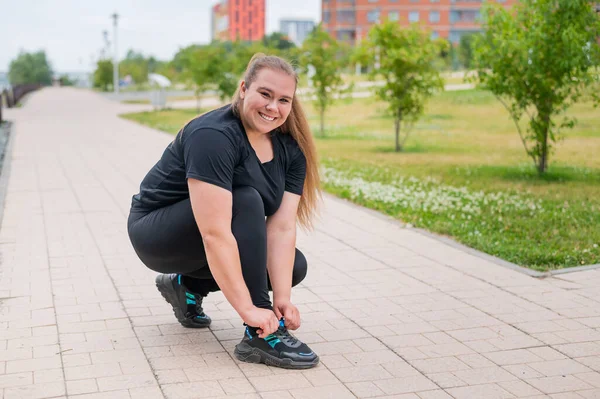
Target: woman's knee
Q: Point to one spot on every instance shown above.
(247, 199)
(300, 268)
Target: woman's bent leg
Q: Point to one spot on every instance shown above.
(167, 240)
(250, 231)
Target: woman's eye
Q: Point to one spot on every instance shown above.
(283, 100)
(266, 95)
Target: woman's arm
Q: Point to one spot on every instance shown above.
(281, 245)
(212, 207)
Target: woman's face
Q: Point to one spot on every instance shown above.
(268, 101)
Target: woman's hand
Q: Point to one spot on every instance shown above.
(263, 319)
(289, 311)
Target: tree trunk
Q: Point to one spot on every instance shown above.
(543, 156)
(543, 159)
(322, 114)
(397, 122)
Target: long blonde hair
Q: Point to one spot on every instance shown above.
(297, 126)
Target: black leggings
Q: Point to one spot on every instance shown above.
(167, 240)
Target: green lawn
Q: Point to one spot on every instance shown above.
(463, 174)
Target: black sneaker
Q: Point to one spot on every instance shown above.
(187, 305)
(280, 349)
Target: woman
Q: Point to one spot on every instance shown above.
(219, 211)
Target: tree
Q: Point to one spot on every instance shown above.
(538, 60)
(278, 41)
(30, 68)
(103, 75)
(218, 65)
(65, 80)
(203, 66)
(465, 50)
(323, 53)
(135, 65)
(406, 59)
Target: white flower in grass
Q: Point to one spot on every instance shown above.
(428, 195)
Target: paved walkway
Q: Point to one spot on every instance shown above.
(392, 313)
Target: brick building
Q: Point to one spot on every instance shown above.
(238, 19)
(350, 20)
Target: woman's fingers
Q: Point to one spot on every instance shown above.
(277, 313)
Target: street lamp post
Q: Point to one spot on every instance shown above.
(115, 17)
(105, 50)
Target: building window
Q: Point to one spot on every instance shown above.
(434, 16)
(434, 1)
(434, 35)
(464, 16)
(237, 16)
(326, 16)
(373, 16)
(250, 17)
(393, 16)
(413, 16)
(345, 16)
(372, 1)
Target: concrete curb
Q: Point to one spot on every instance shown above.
(5, 171)
(454, 244)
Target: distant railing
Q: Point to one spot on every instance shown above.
(13, 95)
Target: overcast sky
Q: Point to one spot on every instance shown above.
(71, 30)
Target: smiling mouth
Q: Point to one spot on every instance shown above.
(266, 117)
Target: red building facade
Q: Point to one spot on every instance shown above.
(238, 19)
(350, 20)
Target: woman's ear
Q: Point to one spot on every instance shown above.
(242, 89)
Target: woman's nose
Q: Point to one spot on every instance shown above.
(272, 105)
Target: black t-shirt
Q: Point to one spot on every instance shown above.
(214, 148)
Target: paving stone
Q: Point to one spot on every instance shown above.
(405, 385)
(484, 391)
(559, 384)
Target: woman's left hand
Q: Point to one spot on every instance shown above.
(289, 311)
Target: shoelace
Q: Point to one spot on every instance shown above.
(284, 335)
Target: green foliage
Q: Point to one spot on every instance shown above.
(103, 75)
(135, 65)
(325, 55)
(64, 80)
(278, 41)
(446, 59)
(465, 50)
(538, 60)
(30, 68)
(405, 59)
(218, 65)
